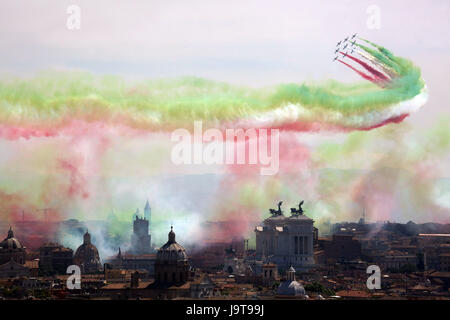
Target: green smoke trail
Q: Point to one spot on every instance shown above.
(383, 50)
(53, 98)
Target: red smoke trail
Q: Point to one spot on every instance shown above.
(77, 181)
(362, 74)
(14, 133)
(310, 126)
(375, 72)
(396, 119)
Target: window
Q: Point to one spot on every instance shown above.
(301, 245)
(306, 245)
(296, 245)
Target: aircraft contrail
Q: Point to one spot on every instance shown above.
(60, 103)
(377, 74)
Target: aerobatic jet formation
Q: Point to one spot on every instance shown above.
(352, 46)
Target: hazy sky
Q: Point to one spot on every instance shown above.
(246, 42)
(249, 42)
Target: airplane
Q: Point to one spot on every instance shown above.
(353, 43)
(336, 50)
(345, 46)
(339, 43)
(345, 39)
(352, 51)
(335, 58)
(354, 36)
(345, 55)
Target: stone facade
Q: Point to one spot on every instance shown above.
(12, 269)
(342, 247)
(11, 248)
(140, 239)
(54, 258)
(134, 262)
(286, 241)
(269, 274)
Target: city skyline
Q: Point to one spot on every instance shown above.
(251, 150)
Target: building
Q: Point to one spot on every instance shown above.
(171, 266)
(11, 248)
(269, 274)
(118, 275)
(232, 264)
(172, 278)
(434, 248)
(134, 262)
(444, 262)
(341, 247)
(395, 261)
(54, 258)
(140, 239)
(286, 241)
(442, 278)
(33, 265)
(12, 269)
(290, 288)
(434, 255)
(202, 287)
(432, 239)
(87, 257)
(32, 283)
(210, 255)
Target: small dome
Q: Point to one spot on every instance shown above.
(10, 242)
(291, 288)
(171, 251)
(87, 255)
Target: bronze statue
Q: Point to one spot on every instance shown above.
(278, 212)
(296, 212)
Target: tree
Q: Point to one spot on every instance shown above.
(319, 288)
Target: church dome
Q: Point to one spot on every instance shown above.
(87, 256)
(291, 287)
(10, 242)
(171, 251)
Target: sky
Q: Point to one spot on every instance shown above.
(245, 43)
